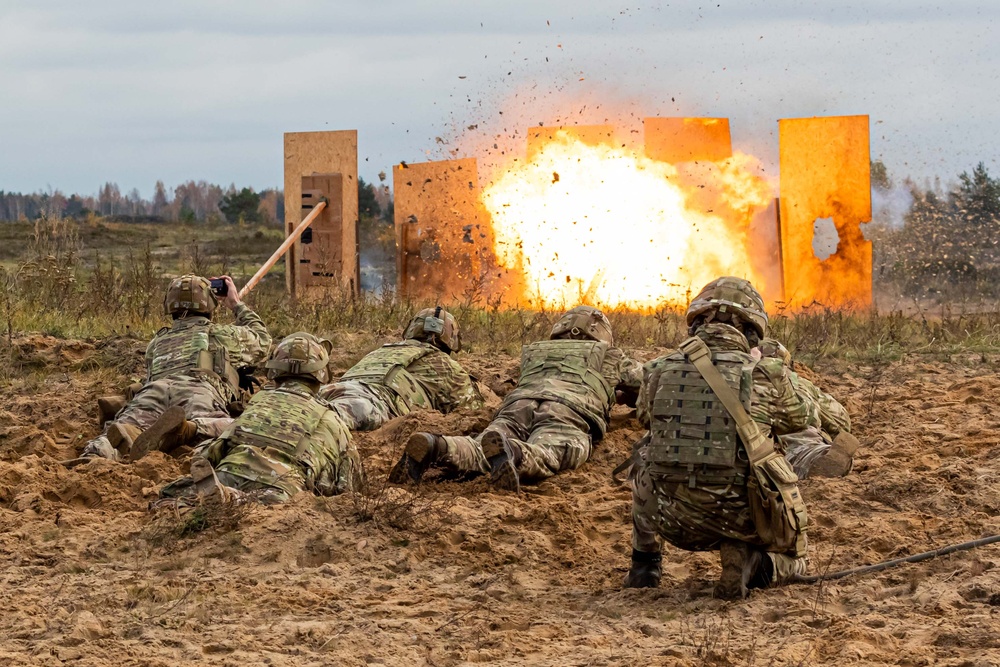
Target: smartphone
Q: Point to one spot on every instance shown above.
(219, 287)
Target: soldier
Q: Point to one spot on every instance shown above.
(708, 476)
(560, 407)
(287, 440)
(192, 366)
(825, 448)
(417, 372)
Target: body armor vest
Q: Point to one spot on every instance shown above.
(570, 372)
(693, 438)
(182, 349)
(277, 418)
(387, 366)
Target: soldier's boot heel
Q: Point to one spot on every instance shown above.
(107, 408)
(422, 449)
(739, 562)
(206, 483)
(645, 570)
(122, 437)
(167, 433)
(503, 458)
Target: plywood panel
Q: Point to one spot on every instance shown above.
(322, 254)
(676, 140)
(444, 238)
(592, 135)
(825, 173)
(313, 153)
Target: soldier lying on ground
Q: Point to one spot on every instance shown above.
(415, 373)
(191, 365)
(549, 422)
(708, 476)
(825, 448)
(287, 439)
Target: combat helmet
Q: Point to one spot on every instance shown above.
(583, 321)
(437, 327)
(301, 354)
(730, 295)
(190, 294)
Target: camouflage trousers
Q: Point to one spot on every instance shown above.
(201, 400)
(697, 519)
(269, 495)
(803, 448)
(552, 438)
(363, 407)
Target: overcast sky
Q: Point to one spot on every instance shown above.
(132, 92)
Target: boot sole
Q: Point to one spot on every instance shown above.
(492, 444)
(151, 437)
(504, 476)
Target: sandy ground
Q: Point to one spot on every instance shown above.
(453, 574)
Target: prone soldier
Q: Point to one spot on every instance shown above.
(550, 421)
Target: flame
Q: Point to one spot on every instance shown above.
(602, 224)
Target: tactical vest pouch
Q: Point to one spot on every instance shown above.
(387, 366)
(776, 505)
(567, 360)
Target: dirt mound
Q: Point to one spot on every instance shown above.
(450, 573)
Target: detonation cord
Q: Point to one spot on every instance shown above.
(885, 565)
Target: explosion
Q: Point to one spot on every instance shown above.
(605, 225)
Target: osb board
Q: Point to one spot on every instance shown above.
(444, 239)
(321, 260)
(592, 135)
(676, 140)
(825, 173)
(309, 153)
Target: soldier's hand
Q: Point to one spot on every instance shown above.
(232, 298)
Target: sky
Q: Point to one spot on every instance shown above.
(135, 92)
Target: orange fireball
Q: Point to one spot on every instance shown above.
(602, 224)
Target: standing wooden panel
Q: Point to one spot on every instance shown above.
(444, 238)
(318, 153)
(677, 140)
(825, 173)
(321, 256)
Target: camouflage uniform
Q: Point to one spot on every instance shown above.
(825, 420)
(561, 405)
(285, 442)
(287, 439)
(698, 518)
(175, 375)
(396, 379)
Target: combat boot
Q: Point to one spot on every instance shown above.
(740, 562)
(839, 459)
(503, 457)
(206, 483)
(107, 408)
(166, 434)
(122, 437)
(645, 570)
(422, 449)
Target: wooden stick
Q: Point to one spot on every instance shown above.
(282, 249)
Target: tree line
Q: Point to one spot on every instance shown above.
(191, 201)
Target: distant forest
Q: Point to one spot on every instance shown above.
(193, 201)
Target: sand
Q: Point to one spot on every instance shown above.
(453, 574)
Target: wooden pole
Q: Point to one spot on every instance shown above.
(283, 248)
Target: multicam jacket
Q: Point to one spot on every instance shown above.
(420, 374)
(197, 346)
(289, 439)
(773, 403)
(584, 375)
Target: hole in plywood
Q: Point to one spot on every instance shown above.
(825, 238)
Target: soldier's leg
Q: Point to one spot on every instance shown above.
(361, 408)
(645, 569)
(144, 408)
(560, 440)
